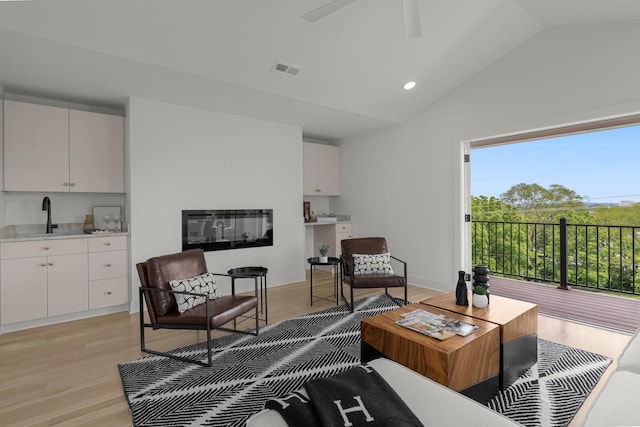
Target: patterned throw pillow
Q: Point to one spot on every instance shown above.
(203, 284)
(372, 264)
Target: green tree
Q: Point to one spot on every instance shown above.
(485, 208)
(617, 215)
(541, 204)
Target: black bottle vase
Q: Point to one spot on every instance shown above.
(461, 290)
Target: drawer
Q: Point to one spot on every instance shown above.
(33, 248)
(106, 265)
(107, 243)
(343, 228)
(108, 292)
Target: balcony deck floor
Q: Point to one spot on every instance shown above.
(591, 308)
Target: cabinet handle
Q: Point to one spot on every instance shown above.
(50, 264)
(66, 184)
(73, 184)
(108, 292)
(43, 264)
(108, 265)
(46, 248)
(107, 244)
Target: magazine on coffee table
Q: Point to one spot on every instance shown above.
(435, 325)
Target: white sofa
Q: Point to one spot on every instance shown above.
(432, 403)
(615, 403)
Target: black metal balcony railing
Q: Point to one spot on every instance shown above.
(599, 257)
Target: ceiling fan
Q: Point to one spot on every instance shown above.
(409, 12)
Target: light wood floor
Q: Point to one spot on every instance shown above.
(67, 374)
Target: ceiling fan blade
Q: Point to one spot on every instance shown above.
(411, 19)
(326, 9)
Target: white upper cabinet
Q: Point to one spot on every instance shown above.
(321, 170)
(53, 149)
(36, 147)
(96, 152)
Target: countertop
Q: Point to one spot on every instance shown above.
(9, 237)
(26, 232)
(326, 223)
(340, 219)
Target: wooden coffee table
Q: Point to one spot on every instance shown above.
(518, 322)
(469, 365)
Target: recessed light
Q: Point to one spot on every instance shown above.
(409, 85)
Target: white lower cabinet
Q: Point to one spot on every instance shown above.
(67, 290)
(343, 231)
(108, 292)
(45, 278)
(108, 265)
(24, 289)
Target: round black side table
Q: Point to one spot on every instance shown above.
(259, 275)
(335, 262)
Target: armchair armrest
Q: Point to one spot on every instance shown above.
(171, 291)
(404, 263)
(351, 267)
(404, 266)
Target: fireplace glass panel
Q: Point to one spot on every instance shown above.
(217, 230)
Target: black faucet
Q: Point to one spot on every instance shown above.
(46, 206)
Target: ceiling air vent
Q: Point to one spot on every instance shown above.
(283, 67)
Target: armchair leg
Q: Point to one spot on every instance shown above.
(209, 361)
(257, 321)
(208, 314)
(141, 312)
(352, 307)
(344, 298)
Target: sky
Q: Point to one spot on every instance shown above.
(603, 166)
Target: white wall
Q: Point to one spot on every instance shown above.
(178, 158)
(413, 171)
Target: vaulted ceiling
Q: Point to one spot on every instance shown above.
(220, 54)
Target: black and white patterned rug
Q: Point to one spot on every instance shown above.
(551, 391)
(249, 370)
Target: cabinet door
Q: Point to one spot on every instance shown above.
(309, 169)
(68, 279)
(36, 147)
(38, 248)
(343, 231)
(106, 265)
(96, 152)
(321, 170)
(110, 243)
(108, 292)
(24, 289)
(328, 170)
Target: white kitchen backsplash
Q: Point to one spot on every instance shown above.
(26, 208)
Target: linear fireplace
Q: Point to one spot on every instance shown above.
(218, 230)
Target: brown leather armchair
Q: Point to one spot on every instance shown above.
(162, 307)
(371, 246)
